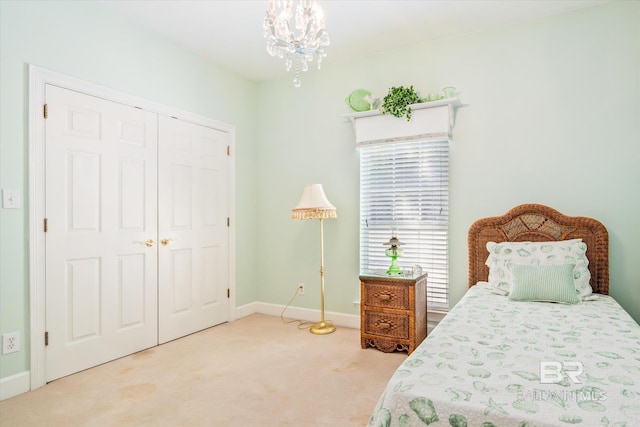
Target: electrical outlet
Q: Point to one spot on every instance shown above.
(300, 288)
(10, 342)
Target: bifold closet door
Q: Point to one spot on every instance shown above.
(136, 245)
(193, 231)
(101, 210)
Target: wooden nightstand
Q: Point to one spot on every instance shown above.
(393, 312)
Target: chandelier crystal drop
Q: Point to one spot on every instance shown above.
(299, 40)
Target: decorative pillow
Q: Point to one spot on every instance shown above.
(548, 283)
(504, 255)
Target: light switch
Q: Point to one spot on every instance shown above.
(11, 199)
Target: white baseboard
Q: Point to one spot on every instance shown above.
(246, 310)
(306, 314)
(15, 385)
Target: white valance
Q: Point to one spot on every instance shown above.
(429, 120)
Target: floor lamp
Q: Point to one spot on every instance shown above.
(314, 205)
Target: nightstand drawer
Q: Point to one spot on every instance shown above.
(387, 324)
(387, 296)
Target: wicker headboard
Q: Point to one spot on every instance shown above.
(537, 223)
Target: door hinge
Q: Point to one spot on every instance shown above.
(228, 150)
(228, 222)
(228, 293)
(46, 338)
(46, 225)
(45, 111)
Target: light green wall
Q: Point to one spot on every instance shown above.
(551, 116)
(85, 41)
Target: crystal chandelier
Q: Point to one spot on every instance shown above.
(298, 43)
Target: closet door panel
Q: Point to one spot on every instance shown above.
(192, 220)
(101, 208)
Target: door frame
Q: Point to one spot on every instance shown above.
(38, 78)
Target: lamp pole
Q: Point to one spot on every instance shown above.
(322, 327)
(321, 272)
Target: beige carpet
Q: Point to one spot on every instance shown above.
(256, 371)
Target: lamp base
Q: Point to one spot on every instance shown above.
(394, 269)
(322, 328)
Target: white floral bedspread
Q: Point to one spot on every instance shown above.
(496, 362)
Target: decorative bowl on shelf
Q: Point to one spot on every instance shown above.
(432, 97)
(356, 100)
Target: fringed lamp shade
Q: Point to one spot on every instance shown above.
(314, 204)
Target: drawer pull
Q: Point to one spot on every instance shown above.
(385, 297)
(384, 325)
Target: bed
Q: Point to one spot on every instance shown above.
(495, 361)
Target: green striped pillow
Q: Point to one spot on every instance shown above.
(548, 283)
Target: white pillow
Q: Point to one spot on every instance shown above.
(503, 255)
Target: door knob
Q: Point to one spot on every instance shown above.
(167, 242)
(147, 243)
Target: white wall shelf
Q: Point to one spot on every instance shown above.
(433, 119)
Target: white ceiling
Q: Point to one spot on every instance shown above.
(230, 31)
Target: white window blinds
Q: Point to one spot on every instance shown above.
(404, 186)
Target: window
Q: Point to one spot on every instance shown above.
(404, 186)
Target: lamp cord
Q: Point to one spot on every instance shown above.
(301, 323)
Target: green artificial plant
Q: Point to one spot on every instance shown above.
(398, 100)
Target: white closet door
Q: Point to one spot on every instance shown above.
(101, 200)
(193, 205)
